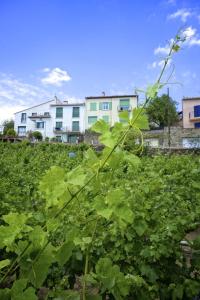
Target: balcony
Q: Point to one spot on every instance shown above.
(193, 118)
(124, 108)
(60, 129)
(40, 116)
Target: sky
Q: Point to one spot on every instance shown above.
(74, 49)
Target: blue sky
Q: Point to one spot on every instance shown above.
(80, 48)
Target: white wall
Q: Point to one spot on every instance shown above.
(113, 114)
(50, 123)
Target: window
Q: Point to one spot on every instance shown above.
(59, 112)
(124, 104)
(34, 114)
(105, 105)
(75, 125)
(197, 125)
(58, 125)
(23, 118)
(40, 125)
(197, 111)
(92, 120)
(93, 106)
(21, 130)
(75, 113)
(72, 139)
(106, 119)
(46, 114)
(58, 138)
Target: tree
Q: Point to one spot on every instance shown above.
(8, 124)
(162, 112)
(11, 132)
(37, 135)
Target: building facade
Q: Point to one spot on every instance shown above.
(108, 108)
(54, 119)
(191, 112)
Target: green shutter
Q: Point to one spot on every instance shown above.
(59, 125)
(124, 102)
(110, 105)
(92, 119)
(75, 126)
(100, 105)
(75, 113)
(59, 112)
(93, 106)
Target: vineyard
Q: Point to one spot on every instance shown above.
(118, 238)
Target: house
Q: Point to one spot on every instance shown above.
(191, 112)
(108, 108)
(63, 121)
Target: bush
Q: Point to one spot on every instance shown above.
(37, 135)
(11, 132)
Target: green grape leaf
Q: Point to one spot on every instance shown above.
(53, 186)
(140, 227)
(38, 237)
(4, 263)
(100, 126)
(19, 291)
(37, 271)
(5, 294)
(152, 90)
(64, 253)
(124, 115)
(107, 139)
(76, 176)
(139, 118)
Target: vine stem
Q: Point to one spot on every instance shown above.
(87, 260)
(18, 259)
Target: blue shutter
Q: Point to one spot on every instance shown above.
(197, 125)
(197, 111)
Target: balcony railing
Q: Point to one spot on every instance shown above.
(192, 117)
(60, 129)
(40, 116)
(124, 108)
(66, 130)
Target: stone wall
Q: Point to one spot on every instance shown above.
(161, 137)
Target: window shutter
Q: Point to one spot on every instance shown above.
(110, 105)
(100, 106)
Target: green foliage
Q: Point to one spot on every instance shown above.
(8, 124)
(11, 132)
(162, 111)
(37, 135)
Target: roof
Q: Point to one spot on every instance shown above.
(191, 98)
(34, 106)
(68, 104)
(106, 97)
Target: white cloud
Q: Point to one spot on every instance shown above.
(162, 50)
(191, 37)
(183, 14)
(159, 64)
(55, 76)
(16, 95)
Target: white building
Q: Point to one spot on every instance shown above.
(108, 108)
(54, 119)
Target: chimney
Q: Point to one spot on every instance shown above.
(65, 101)
(103, 93)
